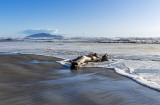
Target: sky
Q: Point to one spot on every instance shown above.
(88, 18)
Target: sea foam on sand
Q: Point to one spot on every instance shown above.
(144, 72)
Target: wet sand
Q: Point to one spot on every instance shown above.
(39, 80)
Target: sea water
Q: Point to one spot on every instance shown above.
(140, 62)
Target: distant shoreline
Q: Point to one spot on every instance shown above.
(87, 40)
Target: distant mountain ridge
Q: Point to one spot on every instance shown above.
(45, 35)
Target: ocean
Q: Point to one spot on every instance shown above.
(138, 61)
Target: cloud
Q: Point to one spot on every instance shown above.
(35, 31)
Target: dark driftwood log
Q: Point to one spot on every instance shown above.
(93, 57)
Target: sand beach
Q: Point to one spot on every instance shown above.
(40, 80)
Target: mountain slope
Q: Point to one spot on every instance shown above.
(45, 35)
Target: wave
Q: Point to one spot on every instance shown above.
(144, 71)
(138, 62)
(141, 69)
(143, 40)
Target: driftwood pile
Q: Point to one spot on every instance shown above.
(93, 57)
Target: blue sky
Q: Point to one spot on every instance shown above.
(91, 18)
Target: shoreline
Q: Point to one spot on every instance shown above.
(123, 40)
(23, 81)
(61, 59)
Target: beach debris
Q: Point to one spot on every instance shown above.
(81, 60)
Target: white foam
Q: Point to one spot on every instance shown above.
(64, 63)
(144, 72)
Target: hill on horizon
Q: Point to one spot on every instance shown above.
(44, 35)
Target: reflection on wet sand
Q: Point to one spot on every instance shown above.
(24, 82)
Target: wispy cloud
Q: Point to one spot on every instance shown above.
(35, 31)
